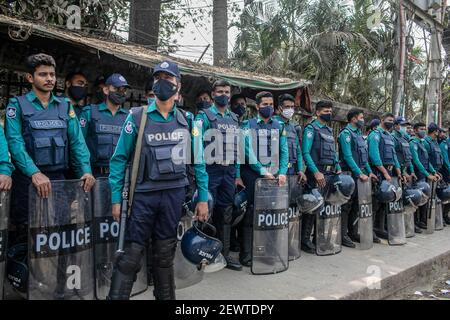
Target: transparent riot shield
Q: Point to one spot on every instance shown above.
(4, 215)
(439, 217)
(295, 191)
(365, 222)
(328, 230)
(396, 220)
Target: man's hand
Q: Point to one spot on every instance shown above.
(363, 177)
(268, 175)
(339, 172)
(320, 178)
(387, 177)
(439, 175)
(116, 211)
(201, 211)
(432, 178)
(373, 176)
(89, 181)
(413, 177)
(5, 182)
(281, 180)
(302, 177)
(42, 183)
(239, 182)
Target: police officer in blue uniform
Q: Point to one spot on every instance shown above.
(422, 167)
(262, 162)
(354, 160)
(431, 144)
(76, 89)
(383, 158)
(221, 162)
(160, 188)
(101, 124)
(238, 105)
(6, 167)
(445, 171)
(319, 153)
(42, 130)
(203, 100)
(404, 156)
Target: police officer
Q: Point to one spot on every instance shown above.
(149, 94)
(445, 171)
(260, 163)
(404, 156)
(6, 167)
(203, 100)
(286, 106)
(354, 159)
(374, 123)
(238, 105)
(99, 84)
(319, 152)
(431, 144)
(76, 89)
(41, 130)
(160, 189)
(101, 124)
(220, 164)
(422, 167)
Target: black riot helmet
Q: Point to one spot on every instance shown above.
(339, 189)
(426, 191)
(17, 268)
(308, 203)
(412, 198)
(387, 192)
(443, 192)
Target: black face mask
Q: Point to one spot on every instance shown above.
(388, 125)
(117, 98)
(164, 89)
(100, 96)
(201, 105)
(77, 93)
(239, 109)
(325, 117)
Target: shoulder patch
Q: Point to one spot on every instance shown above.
(129, 127)
(310, 134)
(195, 131)
(416, 147)
(199, 122)
(82, 122)
(446, 146)
(377, 137)
(11, 112)
(283, 133)
(72, 114)
(347, 139)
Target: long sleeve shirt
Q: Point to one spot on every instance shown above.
(345, 143)
(298, 149)
(413, 146)
(444, 148)
(374, 148)
(6, 167)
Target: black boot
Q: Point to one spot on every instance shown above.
(124, 272)
(163, 273)
(149, 264)
(346, 241)
(307, 227)
(234, 239)
(245, 254)
(223, 219)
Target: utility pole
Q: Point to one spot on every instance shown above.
(434, 92)
(398, 90)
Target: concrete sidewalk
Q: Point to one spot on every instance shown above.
(352, 274)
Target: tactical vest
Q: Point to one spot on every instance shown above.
(265, 133)
(403, 151)
(45, 135)
(360, 153)
(103, 135)
(78, 110)
(229, 127)
(423, 158)
(436, 158)
(158, 169)
(323, 151)
(292, 135)
(386, 148)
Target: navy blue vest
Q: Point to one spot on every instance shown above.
(436, 159)
(103, 135)
(360, 152)
(323, 151)
(45, 135)
(423, 158)
(229, 127)
(403, 151)
(386, 148)
(158, 170)
(264, 134)
(292, 135)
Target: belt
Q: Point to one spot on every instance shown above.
(329, 168)
(101, 170)
(389, 167)
(224, 163)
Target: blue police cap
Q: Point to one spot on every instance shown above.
(169, 67)
(401, 121)
(432, 127)
(117, 80)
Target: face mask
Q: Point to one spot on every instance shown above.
(100, 95)
(360, 124)
(388, 125)
(421, 134)
(77, 93)
(150, 100)
(203, 105)
(117, 98)
(222, 100)
(164, 89)
(325, 117)
(403, 130)
(239, 110)
(266, 112)
(288, 113)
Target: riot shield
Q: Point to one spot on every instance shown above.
(295, 191)
(439, 217)
(328, 230)
(365, 222)
(431, 210)
(186, 274)
(270, 252)
(60, 257)
(409, 222)
(106, 232)
(4, 215)
(396, 220)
